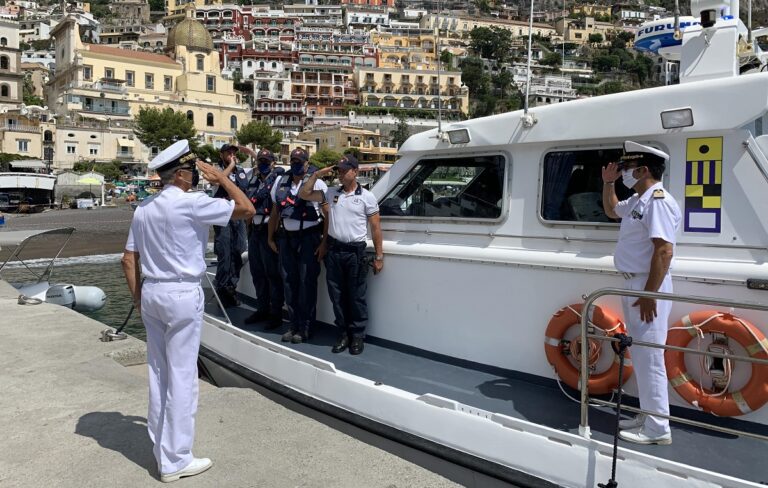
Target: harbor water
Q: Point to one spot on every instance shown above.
(103, 271)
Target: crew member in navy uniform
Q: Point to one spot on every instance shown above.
(230, 241)
(166, 243)
(350, 209)
(262, 260)
(650, 220)
(297, 231)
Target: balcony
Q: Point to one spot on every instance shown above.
(20, 128)
(102, 87)
(124, 154)
(119, 111)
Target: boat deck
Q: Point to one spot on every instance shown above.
(525, 397)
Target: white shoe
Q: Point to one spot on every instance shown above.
(641, 437)
(197, 466)
(633, 423)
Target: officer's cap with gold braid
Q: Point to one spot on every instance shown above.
(176, 154)
(642, 155)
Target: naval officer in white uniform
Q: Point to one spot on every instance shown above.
(650, 219)
(166, 244)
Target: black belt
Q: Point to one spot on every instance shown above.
(337, 245)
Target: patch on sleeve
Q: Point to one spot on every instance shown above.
(658, 193)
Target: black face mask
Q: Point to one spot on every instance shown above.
(195, 177)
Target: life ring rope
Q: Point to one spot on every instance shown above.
(578, 314)
(723, 402)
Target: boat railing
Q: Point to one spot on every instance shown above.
(584, 429)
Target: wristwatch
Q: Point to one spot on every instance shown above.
(379, 258)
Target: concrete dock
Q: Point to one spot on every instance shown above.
(73, 414)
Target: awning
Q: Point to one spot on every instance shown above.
(28, 163)
(94, 117)
(126, 143)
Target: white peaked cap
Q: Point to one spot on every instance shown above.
(633, 147)
(171, 155)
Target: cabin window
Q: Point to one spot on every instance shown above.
(470, 187)
(572, 185)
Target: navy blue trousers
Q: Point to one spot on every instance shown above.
(229, 243)
(265, 271)
(345, 272)
(299, 269)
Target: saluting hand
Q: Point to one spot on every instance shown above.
(611, 173)
(212, 174)
(647, 308)
(325, 171)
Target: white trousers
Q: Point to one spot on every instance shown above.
(173, 315)
(650, 370)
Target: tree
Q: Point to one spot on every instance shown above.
(501, 82)
(257, 133)
(605, 63)
(207, 151)
(474, 76)
(111, 170)
(402, 132)
(446, 58)
(354, 152)
(29, 96)
(325, 157)
(491, 43)
(596, 38)
(161, 128)
(551, 59)
(6, 158)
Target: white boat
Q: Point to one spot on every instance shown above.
(455, 359)
(28, 192)
(79, 298)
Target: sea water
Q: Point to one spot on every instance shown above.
(103, 271)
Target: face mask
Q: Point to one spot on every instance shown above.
(297, 169)
(265, 168)
(627, 178)
(195, 177)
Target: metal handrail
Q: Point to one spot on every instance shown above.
(584, 430)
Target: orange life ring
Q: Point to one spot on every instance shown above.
(563, 355)
(750, 398)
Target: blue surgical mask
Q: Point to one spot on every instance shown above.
(265, 168)
(297, 169)
(627, 178)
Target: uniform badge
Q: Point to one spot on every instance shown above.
(335, 199)
(242, 176)
(636, 215)
(658, 193)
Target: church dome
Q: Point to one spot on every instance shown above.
(190, 34)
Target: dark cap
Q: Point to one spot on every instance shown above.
(229, 147)
(299, 154)
(265, 155)
(348, 162)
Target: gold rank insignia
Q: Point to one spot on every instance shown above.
(658, 193)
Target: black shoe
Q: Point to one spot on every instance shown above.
(257, 316)
(274, 322)
(233, 294)
(287, 336)
(341, 344)
(357, 345)
(299, 337)
(226, 298)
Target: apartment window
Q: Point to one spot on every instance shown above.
(88, 72)
(5, 90)
(209, 120)
(233, 122)
(200, 63)
(71, 148)
(93, 149)
(130, 78)
(190, 115)
(22, 145)
(210, 83)
(5, 62)
(109, 73)
(167, 83)
(149, 81)
(466, 187)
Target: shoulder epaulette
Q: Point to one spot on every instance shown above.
(658, 193)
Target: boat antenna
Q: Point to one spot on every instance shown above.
(677, 34)
(528, 121)
(749, 23)
(439, 62)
